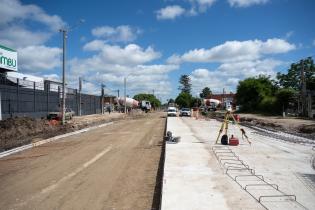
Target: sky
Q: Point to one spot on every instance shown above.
(153, 42)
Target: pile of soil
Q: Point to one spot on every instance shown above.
(304, 130)
(310, 129)
(22, 130)
(260, 123)
(295, 126)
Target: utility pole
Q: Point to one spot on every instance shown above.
(64, 32)
(125, 94)
(63, 109)
(223, 95)
(303, 89)
(118, 93)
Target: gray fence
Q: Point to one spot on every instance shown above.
(32, 99)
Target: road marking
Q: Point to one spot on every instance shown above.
(75, 172)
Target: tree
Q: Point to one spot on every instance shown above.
(171, 101)
(148, 97)
(185, 84)
(293, 78)
(256, 94)
(196, 102)
(284, 96)
(205, 93)
(184, 100)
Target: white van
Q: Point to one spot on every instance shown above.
(171, 111)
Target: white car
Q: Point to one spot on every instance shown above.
(185, 112)
(171, 111)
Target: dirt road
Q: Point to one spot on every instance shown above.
(114, 167)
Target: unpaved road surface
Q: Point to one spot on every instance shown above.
(113, 167)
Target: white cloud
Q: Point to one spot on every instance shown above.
(131, 54)
(234, 51)
(202, 5)
(141, 79)
(237, 60)
(175, 11)
(111, 63)
(227, 75)
(17, 37)
(170, 12)
(39, 58)
(289, 34)
(15, 19)
(52, 77)
(249, 68)
(246, 3)
(123, 33)
(14, 11)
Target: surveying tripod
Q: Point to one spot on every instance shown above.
(225, 126)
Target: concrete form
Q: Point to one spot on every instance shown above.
(194, 178)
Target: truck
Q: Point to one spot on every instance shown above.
(211, 104)
(133, 104)
(145, 106)
(130, 102)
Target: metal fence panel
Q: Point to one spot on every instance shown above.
(25, 98)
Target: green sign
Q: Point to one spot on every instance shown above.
(8, 59)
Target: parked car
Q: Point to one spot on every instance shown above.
(171, 111)
(185, 112)
(57, 115)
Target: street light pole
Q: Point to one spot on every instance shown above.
(125, 94)
(64, 33)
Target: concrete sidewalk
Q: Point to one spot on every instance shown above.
(193, 178)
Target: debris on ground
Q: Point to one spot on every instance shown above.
(292, 125)
(19, 131)
(295, 126)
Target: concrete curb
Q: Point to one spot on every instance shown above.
(28, 146)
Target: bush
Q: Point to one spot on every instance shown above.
(268, 105)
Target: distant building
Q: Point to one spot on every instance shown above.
(226, 99)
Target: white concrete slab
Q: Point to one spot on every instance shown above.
(193, 178)
(283, 163)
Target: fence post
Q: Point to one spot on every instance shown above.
(58, 98)
(95, 105)
(77, 101)
(0, 107)
(17, 95)
(47, 94)
(34, 94)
